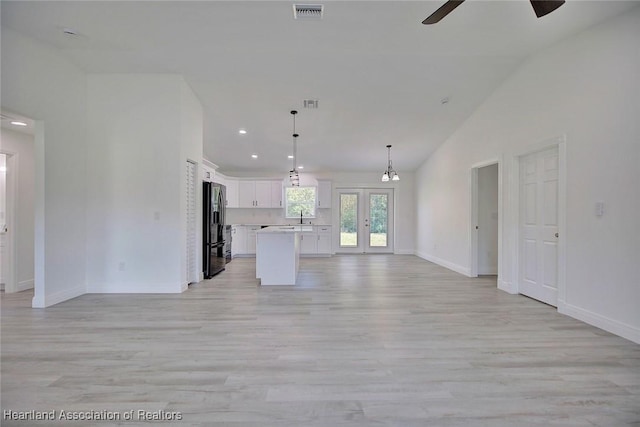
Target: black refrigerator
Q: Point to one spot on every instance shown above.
(213, 239)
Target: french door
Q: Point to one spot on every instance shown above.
(538, 266)
(366, 220)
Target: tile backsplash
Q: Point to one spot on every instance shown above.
(272, 216)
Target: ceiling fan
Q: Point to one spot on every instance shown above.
(541, 7)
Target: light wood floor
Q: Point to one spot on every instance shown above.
(362, 341)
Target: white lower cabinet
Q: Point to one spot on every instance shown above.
(251, 239)
(308, 243)
(316, 242)
(238, 240)
(324, 240)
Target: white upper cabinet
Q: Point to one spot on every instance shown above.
(276, 194)
(263, 194)
(259, 194)
(324, 194)
(232, 193)
(246, 194)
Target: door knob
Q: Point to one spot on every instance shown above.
(556, 234)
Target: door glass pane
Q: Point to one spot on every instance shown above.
(378, 215)
(348, 220)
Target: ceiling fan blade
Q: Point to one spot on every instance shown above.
(443, 11)
(545, 6)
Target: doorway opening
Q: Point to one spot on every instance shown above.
(6, 271)
(486, 222)
(17, 208)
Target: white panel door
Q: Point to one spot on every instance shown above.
(538, 255)
(192, 270)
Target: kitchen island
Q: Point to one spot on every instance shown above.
(278, 254)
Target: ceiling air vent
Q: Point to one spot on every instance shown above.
(310, 103)
(308, 12)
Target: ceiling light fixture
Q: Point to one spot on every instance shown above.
(294, 178)
(389, 174)
(69, 32)
(254, 156)
(17, 123)
(289, 157)
(300, 167)
(242, 132)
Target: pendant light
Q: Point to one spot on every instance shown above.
(389, 174)
(294, 178)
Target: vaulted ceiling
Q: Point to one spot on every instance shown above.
(379, 75)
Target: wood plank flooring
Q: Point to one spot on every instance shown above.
(378, 340)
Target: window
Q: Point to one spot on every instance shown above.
(300, 199)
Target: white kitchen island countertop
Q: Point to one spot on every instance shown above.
(286, 229)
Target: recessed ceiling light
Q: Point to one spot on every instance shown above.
(255, 156)
(289, 156)
(242, 132)
(18, 123)
(300, 167)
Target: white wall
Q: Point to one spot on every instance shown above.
(488, 220)
(39, 83)
(141, 129)
(587, 88)
(22, 146)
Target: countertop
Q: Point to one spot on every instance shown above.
(286, 229)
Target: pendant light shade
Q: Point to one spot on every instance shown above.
(389, 173)
(294, 178)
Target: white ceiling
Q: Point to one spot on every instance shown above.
(378, 73)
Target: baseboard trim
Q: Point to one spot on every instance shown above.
(444, 263)
(404, 252)
(138, 288)
(57, 298)
(615, 327)
(25, 284)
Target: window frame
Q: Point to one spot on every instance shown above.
(314, 204)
